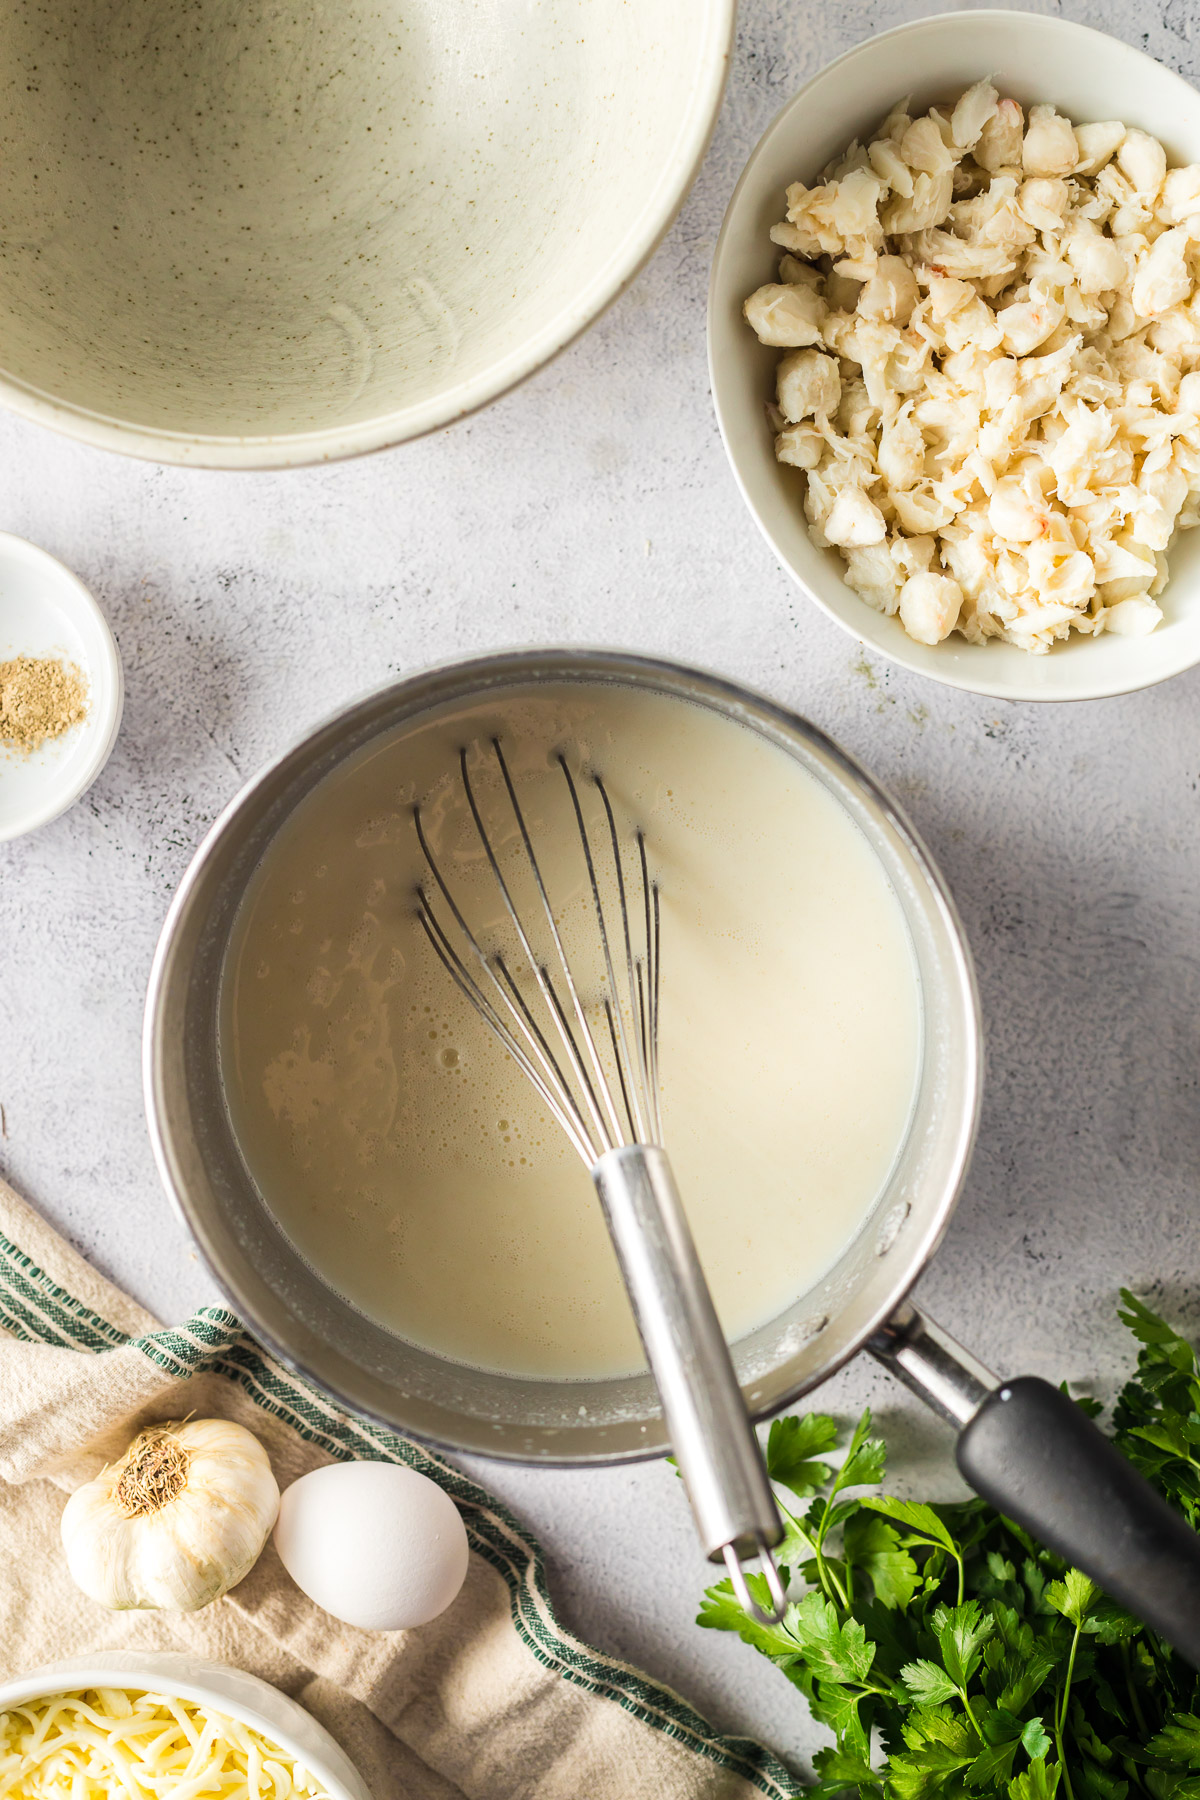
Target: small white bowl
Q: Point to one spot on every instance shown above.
(47, 611)
(1032, 57)
(218, 1686)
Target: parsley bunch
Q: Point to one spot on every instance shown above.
(950, 1654)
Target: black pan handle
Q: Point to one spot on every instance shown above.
(1038, 1459)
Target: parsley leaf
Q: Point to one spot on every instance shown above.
(922, 1520)
(865, 1461)
(1178, 1741)
(722, 1611)
(1072, 1596)
(1039, 1782)
(992, 1765)
(793, 1445)
(961, 1630)
(927, 1684)
(872, 1546)
(831, 1648)
(1034, 1738)
(952, 1656)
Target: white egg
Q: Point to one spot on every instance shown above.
(374, 1544)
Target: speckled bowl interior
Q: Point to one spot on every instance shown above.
(250, 232)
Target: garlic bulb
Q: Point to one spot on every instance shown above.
(176, 1522)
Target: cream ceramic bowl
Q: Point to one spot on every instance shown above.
(218, 1686)
(247, 235)
(1088, 76)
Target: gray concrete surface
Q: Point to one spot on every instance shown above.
(594, 505)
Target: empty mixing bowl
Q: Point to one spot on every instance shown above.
(249, 235)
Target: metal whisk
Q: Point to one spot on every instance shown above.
(601, 1083)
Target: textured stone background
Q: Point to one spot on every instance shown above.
(594, 505)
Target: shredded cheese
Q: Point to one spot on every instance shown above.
(110, 1744)
(992, 369)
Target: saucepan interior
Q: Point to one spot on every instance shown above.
(315, 1331)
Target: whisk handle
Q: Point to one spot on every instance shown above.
(711, 1434)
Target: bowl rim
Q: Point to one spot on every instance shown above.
(1010, 688)
(148, 1671)
(337, 443)
(83, 602)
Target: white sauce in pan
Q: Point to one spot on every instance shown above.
(401, 1149)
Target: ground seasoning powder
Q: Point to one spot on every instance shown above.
(40, 698)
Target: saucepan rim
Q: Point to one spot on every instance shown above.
(460, 679)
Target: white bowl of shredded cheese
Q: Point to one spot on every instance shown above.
(1068, 73)
(140, 1724)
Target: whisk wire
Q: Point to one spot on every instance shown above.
(642, 1022)
(650, 898)
(645, 1133)
(559, 1102)
(535, 1029)
(558, 1050)
(564, 1029)
(563, 1100)
(617, 1063)
(625, 1057)
(608, 1129)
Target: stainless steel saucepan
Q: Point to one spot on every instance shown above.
(1021, 1443)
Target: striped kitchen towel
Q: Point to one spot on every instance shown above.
(492, 1699)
